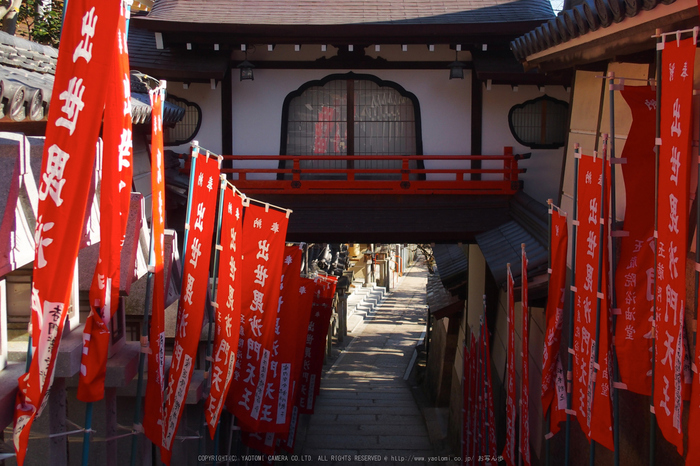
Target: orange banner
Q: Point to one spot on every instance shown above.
(264, 229)
(490, 419)
(551, 360)
(228, 307)
(75, 116)
(634, 277)
(509, 449)
(672, 221)
(525, 373)
(195, 286)
(115, 194)
(155, 385)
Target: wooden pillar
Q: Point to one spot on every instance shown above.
(477, 123)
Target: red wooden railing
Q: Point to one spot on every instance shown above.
(405, 179)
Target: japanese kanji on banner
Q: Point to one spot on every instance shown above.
(302, 359)
(593, 409)
(525, 373)
(634, 278)
(195, 284)
(553, 390)
(509, 449)
(264, 229)
(488, 394)
(674, 169)
(75, 116)
(228, 306)
(316, 342)
(285, 367)
(155, 385)
(115, 194)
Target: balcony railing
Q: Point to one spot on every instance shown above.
(372, 174)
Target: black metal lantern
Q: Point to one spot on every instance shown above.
(456, 68)
(246, 68)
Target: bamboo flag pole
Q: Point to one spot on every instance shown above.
(599, 300)
(484, 390)
(657, 148)
(477, 405)
(572, 301)
(212, 305)
(613, 266)
(549, 267)
(523, 337)
(144, 322)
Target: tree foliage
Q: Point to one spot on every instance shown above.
(40, 26)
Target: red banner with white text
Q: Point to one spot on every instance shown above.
(525, 374)
(264, 229)
(558, 243)
(195, 284)
(228, 306)
(314, 350)
(155, 384)
(75, 116)
(634, 278)
(593, 409)
(511, 395)
(492, 451)
(674, 169)
(115, 195)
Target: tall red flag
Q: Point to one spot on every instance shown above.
(316, 342)
(553, 390)
(228, 306)
(525, 375)
(488, 393)
(634, 277)
(75, 115)
(264, 229)
(115, 194)
(509, 449)
(597, 425)
(195, 284)
(674, 169)
(155, 385)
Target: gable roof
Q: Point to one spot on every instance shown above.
(346, 12)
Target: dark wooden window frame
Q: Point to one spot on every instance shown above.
(351, 77)
(531, 144)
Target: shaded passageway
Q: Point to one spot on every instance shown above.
(366, 413)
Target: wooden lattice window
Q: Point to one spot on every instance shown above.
(540, 123)
(385, 120)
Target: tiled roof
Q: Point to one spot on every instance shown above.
(584, 18)
(343, 12)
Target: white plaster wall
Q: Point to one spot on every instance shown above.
(544, 167)
(209, 135)
(257, 108)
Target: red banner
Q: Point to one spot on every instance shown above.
(75, 116)
(488, 394)
(115, 194)
(634, 278)
(303, 354)
(155, 385)
(509, 449)
(228, 306)
(593, 410)
(467, 411)
(551, 360)
(264, 229)
(195, 283)
(316, 342)
(674, 168)
(525, 374)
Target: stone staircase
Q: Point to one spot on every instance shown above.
(362, 303)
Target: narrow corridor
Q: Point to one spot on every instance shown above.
(366, 413)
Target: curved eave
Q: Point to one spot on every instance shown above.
(630, 36)
(336, 34)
